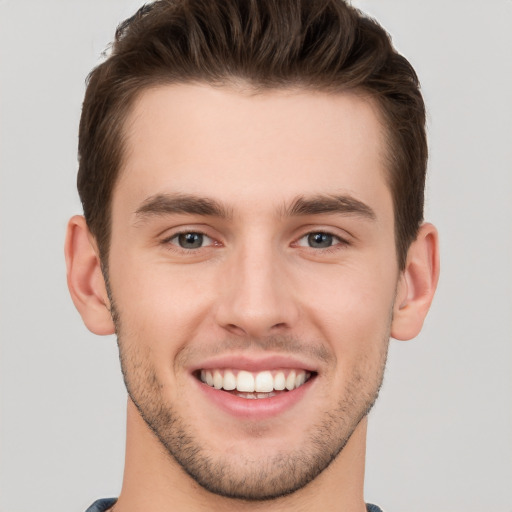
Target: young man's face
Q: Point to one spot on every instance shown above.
(253, 243)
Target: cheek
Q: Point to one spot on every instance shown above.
(352, 310)
(159, 304)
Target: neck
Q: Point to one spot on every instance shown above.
(154, 481)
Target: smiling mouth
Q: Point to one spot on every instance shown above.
(255, 385)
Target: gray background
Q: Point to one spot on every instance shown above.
(440, 436)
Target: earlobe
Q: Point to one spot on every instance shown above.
(85, 279)
(417, 284)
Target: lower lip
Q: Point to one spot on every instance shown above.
(258, 408)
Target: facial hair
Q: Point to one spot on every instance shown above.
(270, 476)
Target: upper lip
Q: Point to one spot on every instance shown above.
(255, 363)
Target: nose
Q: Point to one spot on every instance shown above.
(256, 296)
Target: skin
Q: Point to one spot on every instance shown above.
(257, 287)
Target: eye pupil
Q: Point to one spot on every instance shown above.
(320, 240)
(190, 240)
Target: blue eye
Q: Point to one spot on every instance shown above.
(320, 240)
(191, 240)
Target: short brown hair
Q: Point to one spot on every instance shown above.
(312, 44)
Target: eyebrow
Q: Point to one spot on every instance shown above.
(329, 204)
(166, 204)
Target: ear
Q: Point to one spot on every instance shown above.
(417, 284)
(85, 279)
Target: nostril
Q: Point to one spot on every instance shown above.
(235, 329)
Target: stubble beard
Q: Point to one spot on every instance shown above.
(268, 478)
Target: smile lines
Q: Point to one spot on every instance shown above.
(265, 382)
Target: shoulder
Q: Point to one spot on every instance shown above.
(373, 508)
(102, 505)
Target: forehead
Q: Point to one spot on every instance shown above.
(239, 145)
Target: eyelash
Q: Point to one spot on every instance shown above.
(167, 242)
(339, 243)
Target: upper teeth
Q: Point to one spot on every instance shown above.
(261, 382)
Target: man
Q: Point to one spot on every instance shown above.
(252, 178)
